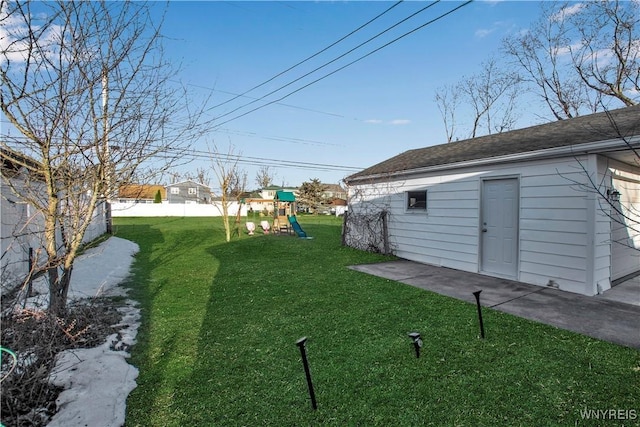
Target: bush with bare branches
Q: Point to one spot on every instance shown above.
(35, 338)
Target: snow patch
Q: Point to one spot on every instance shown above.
(98, 380)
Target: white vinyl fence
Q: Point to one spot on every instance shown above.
(120, 209)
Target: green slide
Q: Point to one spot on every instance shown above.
(296, 226)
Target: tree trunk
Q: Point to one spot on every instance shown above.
(225, 220)
(58, 291)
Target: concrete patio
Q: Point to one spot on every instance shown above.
(613, 316)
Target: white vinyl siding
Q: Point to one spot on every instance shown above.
(566, 235)
(602, 266)
(625, 242)
(448, 234)
(22, 228)
(562, 233)
(554, 223)
(188, 191)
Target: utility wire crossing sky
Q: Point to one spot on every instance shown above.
(359, 77)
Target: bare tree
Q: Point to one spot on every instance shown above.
(492, 95)
(264, 177)
(448, 100)
(607, 59)
(86, 88)
(577, 55)
(174, 176)
(232, 183)
(539, 54)
(237, 192)
(201, 176)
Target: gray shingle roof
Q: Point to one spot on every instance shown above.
(579, 130)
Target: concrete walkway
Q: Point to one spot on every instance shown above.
(596, 317)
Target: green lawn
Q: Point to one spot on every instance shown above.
(220, 322)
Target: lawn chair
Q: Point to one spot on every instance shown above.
(251, 228)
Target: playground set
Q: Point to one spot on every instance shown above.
(284, 217)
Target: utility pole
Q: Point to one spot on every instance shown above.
(107, 166)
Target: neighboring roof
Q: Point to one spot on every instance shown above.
(257, 200)
(337, 202)
(279, 187)
(177, 184)
(141, 191)
(335, 188)
(285, 196)
(580, 130)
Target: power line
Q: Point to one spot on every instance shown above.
(155, 151)
(297, 107)
(276, 138)
(330, 62)
(349, 64)
(261, 161)
(308, 58)
(251, 135)
(196, 154)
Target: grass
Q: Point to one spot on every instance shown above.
(220, 323)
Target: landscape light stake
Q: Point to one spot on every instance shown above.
(417, 342)
(301, 344)
(477, 295)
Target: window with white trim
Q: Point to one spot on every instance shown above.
(416, 200)
(192, 191)
(175, 190)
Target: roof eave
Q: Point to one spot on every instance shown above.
(567, 150)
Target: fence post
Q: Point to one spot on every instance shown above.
(385, 232)
(344, 229)
(30, 276)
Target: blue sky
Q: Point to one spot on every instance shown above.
(359, 116)
(376, 108)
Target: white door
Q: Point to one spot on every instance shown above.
(499, 231)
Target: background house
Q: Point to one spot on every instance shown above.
(256, 204)
(263, 199)
(140, 193)
(334, 197)
(334, 191)
(337, 206)
(188, 192)
(269, 193)
(539, 205)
